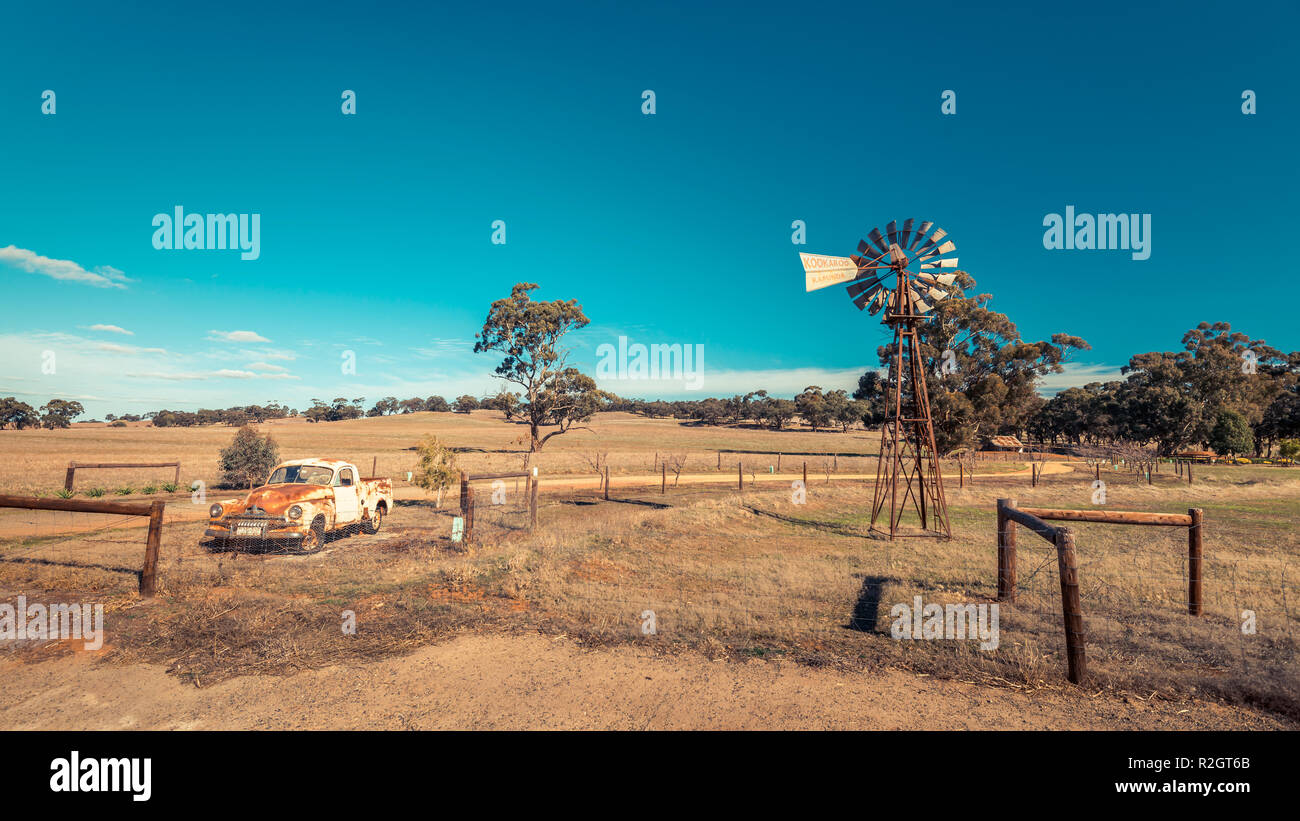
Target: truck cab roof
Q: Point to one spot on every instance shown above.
(333, 464)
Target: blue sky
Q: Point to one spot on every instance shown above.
(672, 228)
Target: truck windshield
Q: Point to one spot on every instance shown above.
(301, 475)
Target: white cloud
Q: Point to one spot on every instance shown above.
(1077, 375)
(104, 276)
(131, 379)
(266, 366)
(440, 347)
(237, 336)
(270, 353)
(191, 376)
(64, 344)
(784, 382)
(117, 329)
(234, 374)
(173, 377)
(113, 347)
(788, 382)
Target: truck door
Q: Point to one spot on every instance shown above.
(347, 504)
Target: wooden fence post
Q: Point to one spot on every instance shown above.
(1071, 609)
(607, 481)
(805, 475)
(740, 475)
(1006, 552)
(1189, 471)
(68, 477)
(149, 573)
(1194, 556)
(663, 480)
(466, 507)
(532, 500)
(719, 460)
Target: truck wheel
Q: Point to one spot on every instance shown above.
(371, 524)
(315, 538)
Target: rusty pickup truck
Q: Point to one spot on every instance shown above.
(301, 502)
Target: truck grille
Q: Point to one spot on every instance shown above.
(255, 523)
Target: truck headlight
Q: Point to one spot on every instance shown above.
(214, 511)
(295, 512)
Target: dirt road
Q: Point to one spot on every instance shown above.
(516, 682)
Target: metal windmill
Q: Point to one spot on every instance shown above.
(908, 469)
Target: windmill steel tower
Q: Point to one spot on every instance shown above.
(908, 468)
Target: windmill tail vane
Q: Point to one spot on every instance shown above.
(903, 272)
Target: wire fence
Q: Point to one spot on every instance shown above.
(1156, 612)
(756, 572)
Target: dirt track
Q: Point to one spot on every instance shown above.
(515, 682)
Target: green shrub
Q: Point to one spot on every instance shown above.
(249, 458)
(64, 493)
(150, 488)
(95, 492)
(124, 491)
(170, 487)
(1289, 448)
(437, 469)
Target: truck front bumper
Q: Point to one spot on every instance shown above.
(226, 535)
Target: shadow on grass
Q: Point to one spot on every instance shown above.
(866, 610)
(134, 571)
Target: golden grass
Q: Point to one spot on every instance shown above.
(34, 461)
(719, 578)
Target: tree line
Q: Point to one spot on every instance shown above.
(1223, 390)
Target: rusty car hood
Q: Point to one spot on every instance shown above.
(276, 499)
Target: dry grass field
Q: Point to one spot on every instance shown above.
(738, 576)
(36, 459)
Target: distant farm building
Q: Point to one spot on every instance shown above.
(1003, 443)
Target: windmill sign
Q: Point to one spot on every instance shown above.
(821, 271)
(881, 277)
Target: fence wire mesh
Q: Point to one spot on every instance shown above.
(708, 566)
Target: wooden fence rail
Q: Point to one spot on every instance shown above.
(1034, 518)
(148, 579)
(73, 467)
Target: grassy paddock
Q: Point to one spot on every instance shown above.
(719, 577)
(35, 460)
